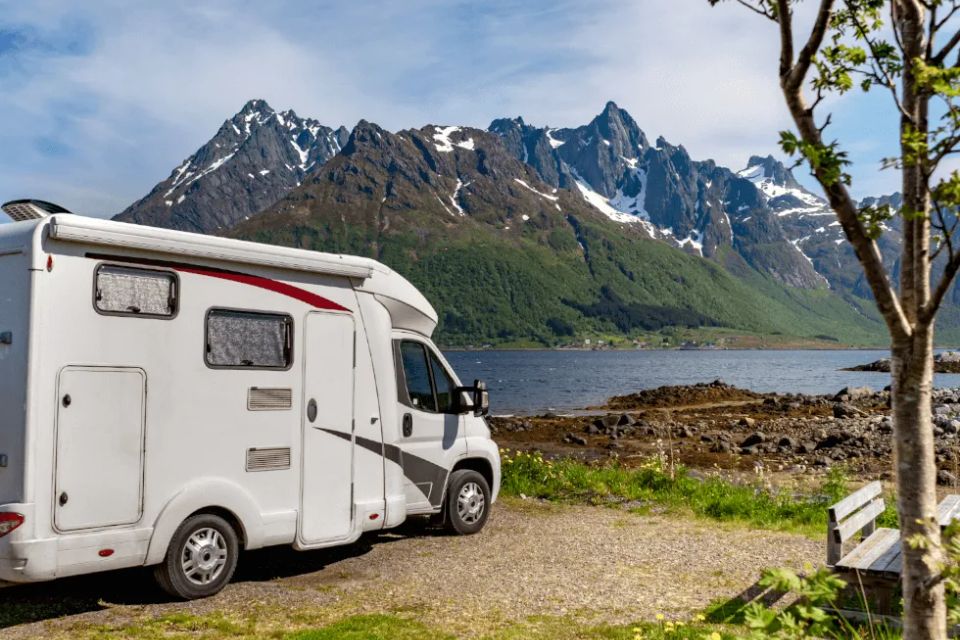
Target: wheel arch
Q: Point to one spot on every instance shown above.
(480, 465)
(219, 497)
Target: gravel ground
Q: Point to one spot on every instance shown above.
(597, 564)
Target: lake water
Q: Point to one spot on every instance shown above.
(526, 382)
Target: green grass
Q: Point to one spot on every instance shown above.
(567, 480)
(391, 627)
(372, 627)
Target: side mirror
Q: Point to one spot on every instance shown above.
(481, 398)
(475, 399)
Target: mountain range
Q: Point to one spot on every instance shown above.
(522, 234)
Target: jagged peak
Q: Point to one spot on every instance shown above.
(254, 105)
(769, 168)
(501, 125)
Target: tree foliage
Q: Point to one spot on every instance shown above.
(908, 49)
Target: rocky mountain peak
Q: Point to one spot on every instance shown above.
(769, 169)
(255, 158)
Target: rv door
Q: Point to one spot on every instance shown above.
(326, 502)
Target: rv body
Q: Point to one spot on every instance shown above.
(149, 376)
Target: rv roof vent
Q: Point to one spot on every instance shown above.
(20, 210)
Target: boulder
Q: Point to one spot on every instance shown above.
(843, 411)
(786, 442)
(829, 442)
(853, 393)
(946, 478)
(747, 422)
(753, 439)
(572, 438)
(625, 420)
(721, 446)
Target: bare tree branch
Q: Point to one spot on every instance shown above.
(805, 58)
(883, 78)
(938, 59)
(943, 286)
(756, 9)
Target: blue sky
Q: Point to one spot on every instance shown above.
(102, 99)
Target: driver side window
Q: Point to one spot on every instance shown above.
(428, 384)
(417, 373)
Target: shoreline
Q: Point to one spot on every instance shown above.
(716, 426)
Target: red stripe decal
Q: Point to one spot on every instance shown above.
(282, 288)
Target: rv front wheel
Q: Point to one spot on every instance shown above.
(201, 558)
(468, 502)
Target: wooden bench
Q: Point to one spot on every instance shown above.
(878, 552)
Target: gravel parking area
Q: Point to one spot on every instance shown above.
(597, 564)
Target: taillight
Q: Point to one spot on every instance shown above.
(9, 522)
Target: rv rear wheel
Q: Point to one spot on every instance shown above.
(468, 502)
(201, 558)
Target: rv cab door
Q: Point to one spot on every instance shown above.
(430, 425)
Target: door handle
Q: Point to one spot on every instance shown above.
(312, 410)
(407, 425)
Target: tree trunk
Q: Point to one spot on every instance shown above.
(924, 616)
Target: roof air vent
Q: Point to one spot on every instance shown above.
(20, 210)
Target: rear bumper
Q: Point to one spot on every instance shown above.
(23, 559)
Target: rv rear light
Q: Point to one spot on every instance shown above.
(9, 521)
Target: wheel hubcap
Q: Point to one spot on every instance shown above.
(470, 503)
(204, 556)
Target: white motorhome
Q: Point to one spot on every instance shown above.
(171, 399)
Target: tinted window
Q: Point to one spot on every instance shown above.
(249, 339)
(415, 370)
(444, 383)
(136, 292)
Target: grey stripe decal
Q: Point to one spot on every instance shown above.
(418, 470)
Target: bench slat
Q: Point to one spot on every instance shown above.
(855, 500)
(866, 553)
(889, 563)
(948, 510)
(852, 525)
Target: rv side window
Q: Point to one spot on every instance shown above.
(417, 372)
(136, 292)
(248, 340)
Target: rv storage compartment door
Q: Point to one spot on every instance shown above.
(100, 429)
(326, 507)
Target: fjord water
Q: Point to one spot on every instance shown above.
(527, 382)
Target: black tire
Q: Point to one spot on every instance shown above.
(466, 514)
(217, 541)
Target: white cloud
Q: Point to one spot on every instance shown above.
(150, 82)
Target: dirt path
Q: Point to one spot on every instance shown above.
(597, 564)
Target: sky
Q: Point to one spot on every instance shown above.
(102, 100)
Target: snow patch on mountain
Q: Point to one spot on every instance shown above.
(554, 143)
(539, 193)
(442, 140)
(695, 240)
(770, 188)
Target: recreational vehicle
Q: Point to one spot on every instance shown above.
(170, 399)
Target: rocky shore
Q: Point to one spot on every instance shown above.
(946, 362)
(717, 426)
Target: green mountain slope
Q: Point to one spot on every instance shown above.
(506, 258)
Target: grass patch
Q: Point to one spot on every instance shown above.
(389, 627)
(567, 480)
(372, 627)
